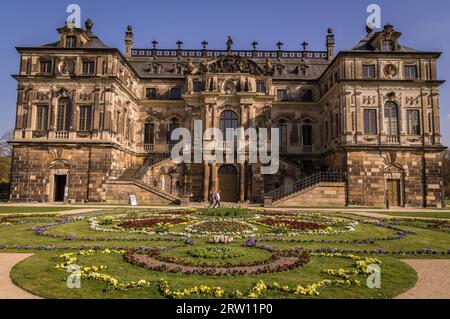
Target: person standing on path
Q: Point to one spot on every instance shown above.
(217, 200)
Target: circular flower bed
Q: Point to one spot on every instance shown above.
(221, 227)
(216, 253)
(278, 263)
(153, 223)
(292, 224)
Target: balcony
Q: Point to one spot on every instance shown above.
(61, 135)
(392, 139)
(149, 147)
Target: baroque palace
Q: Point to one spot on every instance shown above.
(360, 127)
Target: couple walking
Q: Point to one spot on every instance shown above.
(214, 199)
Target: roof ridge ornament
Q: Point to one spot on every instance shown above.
(229, 45)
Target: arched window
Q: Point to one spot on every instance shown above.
(391, 118)
(283, 127)
(228, 120)
(64, 116)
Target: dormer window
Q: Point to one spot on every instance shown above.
(46, 67)
(387, 46)
(71, 41)
(88, 67)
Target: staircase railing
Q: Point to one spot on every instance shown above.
(153, 160)
(307, 182)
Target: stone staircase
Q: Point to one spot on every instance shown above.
(132, 181)
(316, 189)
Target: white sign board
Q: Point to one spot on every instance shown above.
(133, 200)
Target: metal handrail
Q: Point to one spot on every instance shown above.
(307, 182)
(152, 160)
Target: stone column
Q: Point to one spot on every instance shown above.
(214, 179)
(241, 183)
(206, 171)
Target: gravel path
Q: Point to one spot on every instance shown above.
(434, 279)
(8, 290)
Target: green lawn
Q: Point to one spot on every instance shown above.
(37, 275)
(443, 214)
(27, 209)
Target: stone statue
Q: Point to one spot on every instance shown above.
(229, 44)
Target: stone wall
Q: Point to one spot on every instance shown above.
(368, 172)
(119, 193)
(323, 194)
(87, 169)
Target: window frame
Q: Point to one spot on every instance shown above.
(177, 96)
(369, 75)
(73, 44)
(42, 118)
(285, 97)
(260, 86)
(148, 96)
(49, 69)
(64, 115)
(85, 118)
(88, 62)
(413, 127)
(407, 75)
(370, 121)
(389, 122)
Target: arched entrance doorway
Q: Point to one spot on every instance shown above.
(228, 184)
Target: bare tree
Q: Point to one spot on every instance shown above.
(5, 148)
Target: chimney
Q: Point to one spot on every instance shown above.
(128, 41)
(330, 44)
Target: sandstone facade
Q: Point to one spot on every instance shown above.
(94, 125)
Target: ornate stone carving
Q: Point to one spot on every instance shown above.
(230, 64)
(390, 70)
(66, 67)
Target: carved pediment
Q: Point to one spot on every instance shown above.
(230, 64)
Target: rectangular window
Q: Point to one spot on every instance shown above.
(410, 72)
(85, 118)
(261, 86)
(64, 116)
(46, 67)
(42, 118)
(307, 135)
(413, 122)
(149, 134)
(306, 96)
(370, 122)
(369, 71)
(172, 127)
(88, 67)
(282, 95)
(150, 93)
(198, 86)
(175, 94)
(71, 42)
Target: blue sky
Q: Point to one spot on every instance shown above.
(425, 25)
